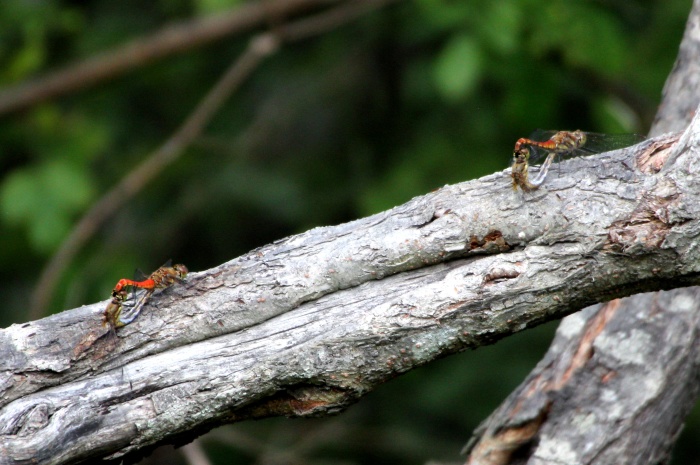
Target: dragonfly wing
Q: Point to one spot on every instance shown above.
(537, 154)
(133, 306)
(579, 152)
(542, 135)
(139, 275)
(599, 143)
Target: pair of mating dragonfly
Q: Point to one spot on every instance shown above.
(562, 144)
(125, 306)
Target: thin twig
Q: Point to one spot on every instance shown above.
(259, 48)
(177, 38)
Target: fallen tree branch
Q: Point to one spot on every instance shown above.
(309, 324)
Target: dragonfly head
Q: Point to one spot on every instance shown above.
(521, 155)
(579, 137)
(181, 270)
(119, 294)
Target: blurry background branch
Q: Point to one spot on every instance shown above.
(260, 47)
(173, 39)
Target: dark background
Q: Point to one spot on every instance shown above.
(355, 121)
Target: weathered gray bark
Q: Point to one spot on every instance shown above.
(614, 387)
(311, 323)
(307, 325)
(619, 379)
(680, 94)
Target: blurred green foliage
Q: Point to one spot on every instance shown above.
(398, 103)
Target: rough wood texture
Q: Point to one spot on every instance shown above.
(614, 387)
(619, 379)
(310, 323)
(680, 93)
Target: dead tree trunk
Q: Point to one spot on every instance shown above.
(619, 379)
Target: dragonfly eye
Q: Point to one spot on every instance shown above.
(521, 155)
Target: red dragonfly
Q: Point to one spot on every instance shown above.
(162, 278)
(563, 144)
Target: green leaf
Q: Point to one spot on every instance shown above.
(18, 196)
(584, 34)
(206, 7)
(68, 185)
(458, 68)
(44, 199)
(502, 25)
(26, 60)
(443, 15)
(48, 229)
